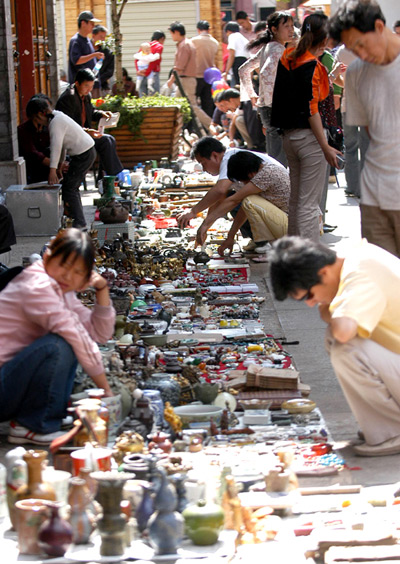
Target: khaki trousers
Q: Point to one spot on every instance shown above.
(267, 221)
(307, 169)
(189, 84)
(381, 227)
(369, 376)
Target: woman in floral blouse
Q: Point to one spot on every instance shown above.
(280, 31)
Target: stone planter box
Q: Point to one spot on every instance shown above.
(160, 131)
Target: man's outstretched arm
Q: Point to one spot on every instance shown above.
(218, 191)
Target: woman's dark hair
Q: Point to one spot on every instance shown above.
(36, 105)
(241, 15)
(273, 20)
(125, 74)
(157, 35)
(295, 263)
(241, 164)
(313, 32)
(205, 146)
(84, 75)
(73, 243)
(232, 26)
(177, 26)
(98, 28)
(260, 26)
(360, 14)
(396, 24)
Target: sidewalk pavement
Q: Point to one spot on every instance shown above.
(296, 322)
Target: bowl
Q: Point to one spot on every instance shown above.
(299, 405)
(198, 413)
(156, 340)
(255, 404)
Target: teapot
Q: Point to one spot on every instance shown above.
(114, 212)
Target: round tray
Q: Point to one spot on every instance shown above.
(299, 405)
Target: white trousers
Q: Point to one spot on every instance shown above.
(369, 376)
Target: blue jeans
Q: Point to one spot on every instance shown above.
(36, 384)
(156, 81)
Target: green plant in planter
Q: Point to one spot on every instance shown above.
(133, 110)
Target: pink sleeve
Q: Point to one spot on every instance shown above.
(98, 322)
(45, 307)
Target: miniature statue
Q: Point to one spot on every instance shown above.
(224, 423)
(232, 506)
(213, 428)
(170, 417)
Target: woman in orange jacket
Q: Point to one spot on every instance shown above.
(301, 84)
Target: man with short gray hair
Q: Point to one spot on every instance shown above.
(373, 101)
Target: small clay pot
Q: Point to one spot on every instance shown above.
(160, 440)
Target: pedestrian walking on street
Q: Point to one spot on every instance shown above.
(301, 84)
(373, 101)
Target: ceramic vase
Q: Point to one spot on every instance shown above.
(88, 410)
(35, 488)
(145, 509)
(138, 464)
(80, 518)
(112, 524)
(55, 534)
(16, 477)
(165, 525)
(169, 388)
(29, 516)
(179, 482)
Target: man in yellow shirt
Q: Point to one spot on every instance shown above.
(358, 297)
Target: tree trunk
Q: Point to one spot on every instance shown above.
(115, 18)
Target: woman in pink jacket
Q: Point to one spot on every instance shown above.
(45, 331)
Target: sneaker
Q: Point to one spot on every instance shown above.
(261, 249)
(20, 435)
(328, 228)
(391, 446)
(67, 422)
(251, 245)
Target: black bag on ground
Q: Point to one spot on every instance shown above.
(7, 274)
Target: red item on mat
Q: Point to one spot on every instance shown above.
(163, 222)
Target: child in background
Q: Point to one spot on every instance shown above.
(144, 76)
